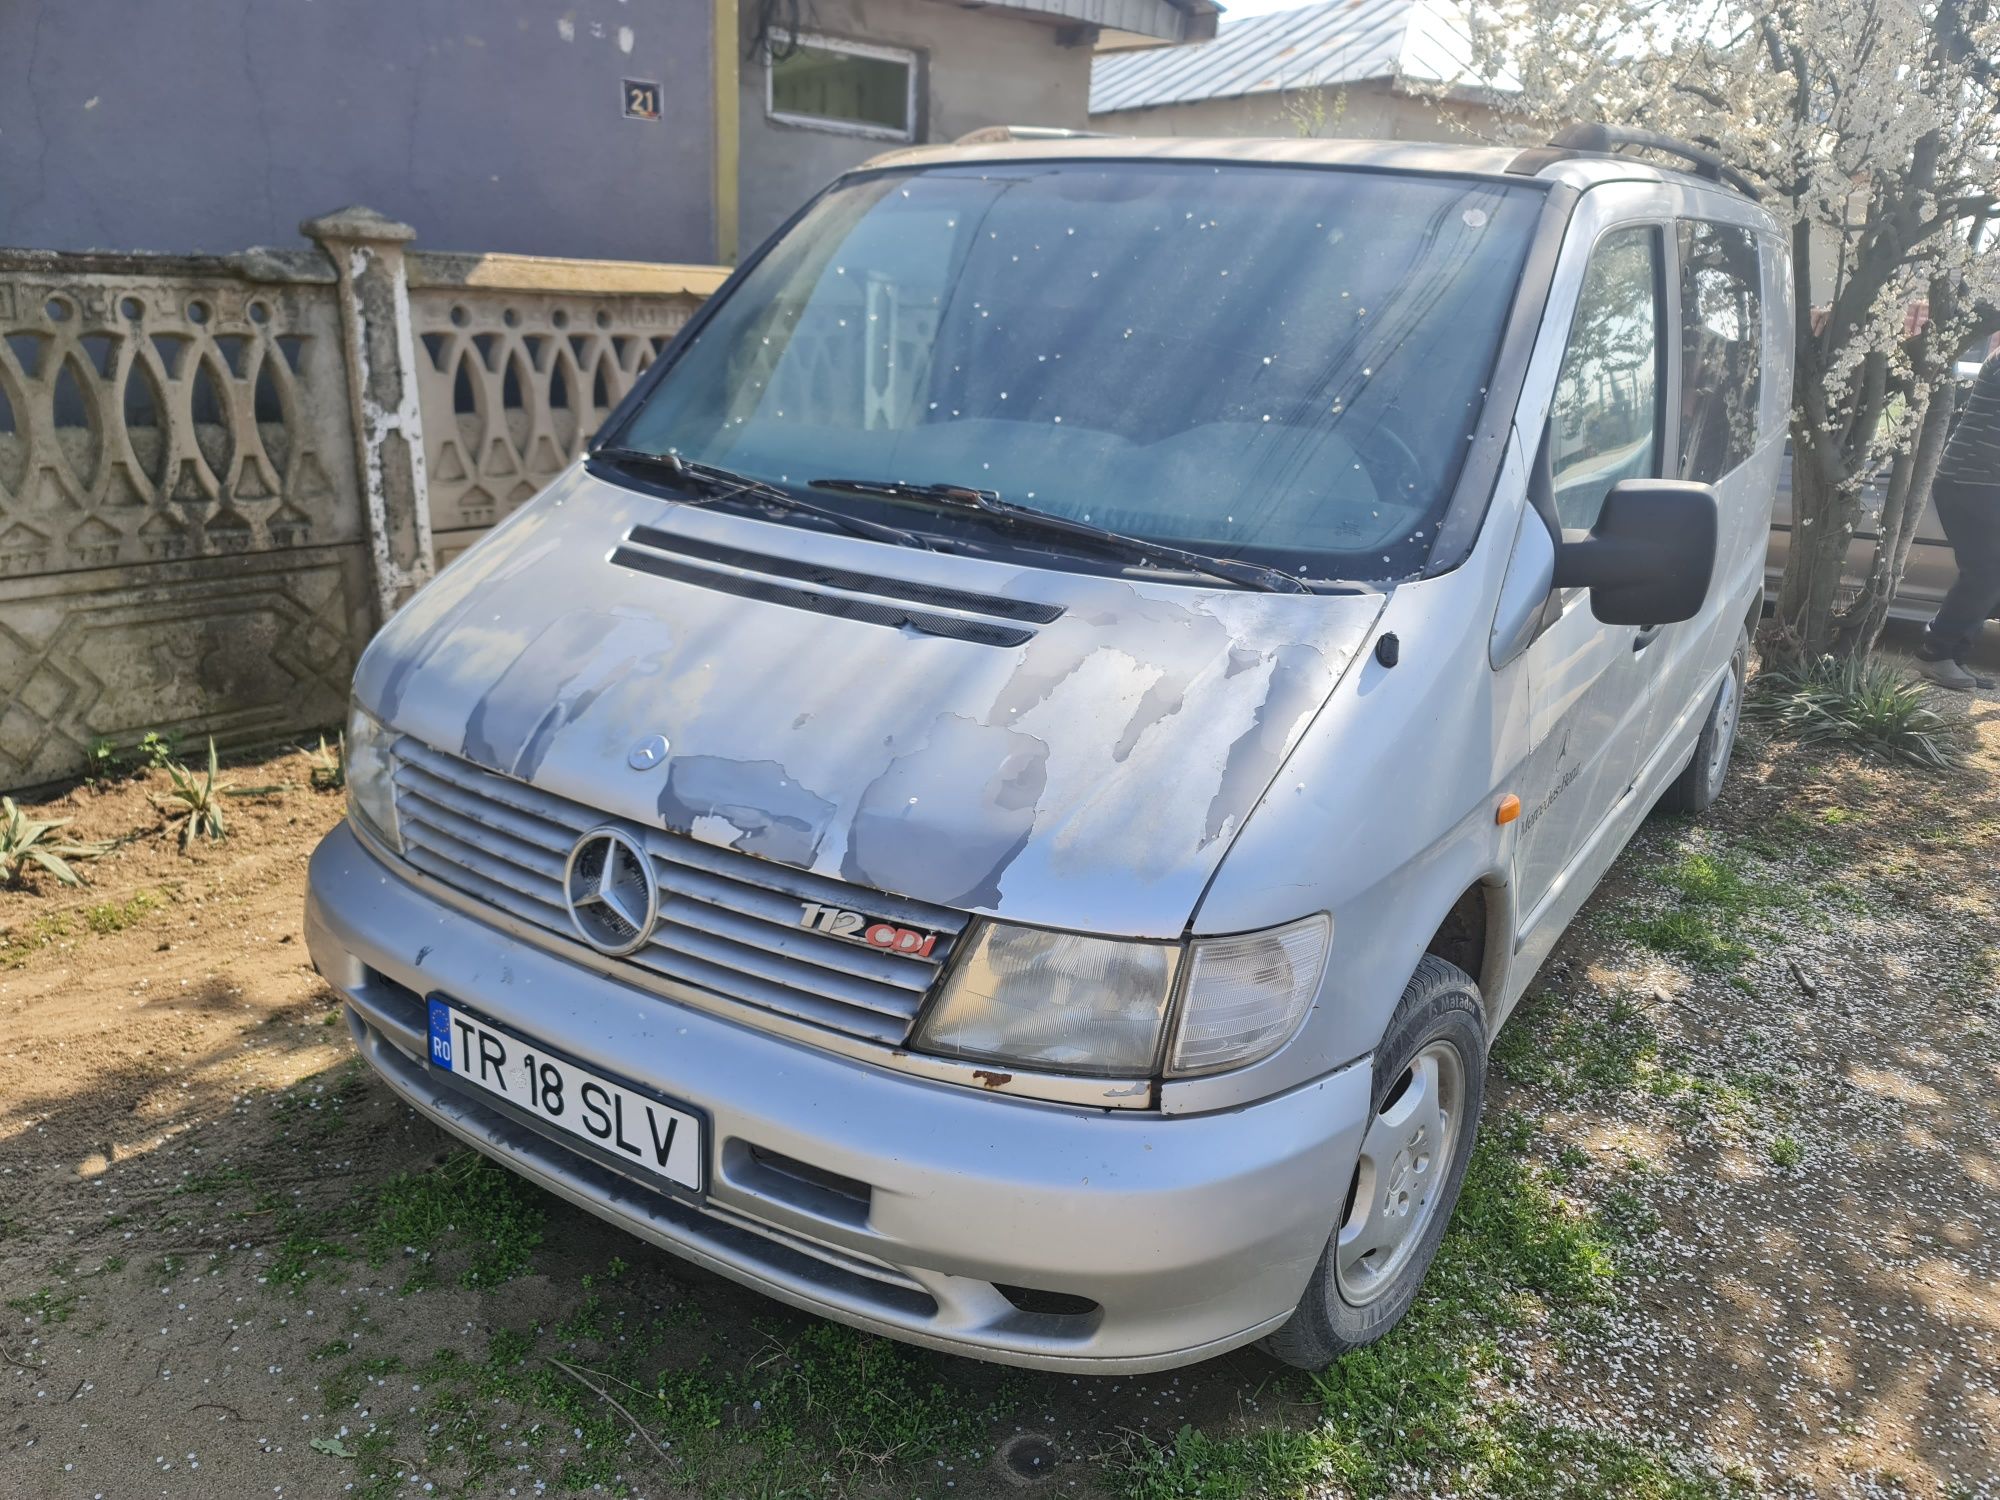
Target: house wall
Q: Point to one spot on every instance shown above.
(1364, 111)
(975, 68)
(208, 125)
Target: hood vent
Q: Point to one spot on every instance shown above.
(862, 596)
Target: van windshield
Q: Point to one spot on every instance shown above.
(1279, 364)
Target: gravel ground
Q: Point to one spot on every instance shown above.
(1810, 1130)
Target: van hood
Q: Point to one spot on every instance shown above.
(1089, 778)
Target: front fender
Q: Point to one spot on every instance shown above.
(1383, 817)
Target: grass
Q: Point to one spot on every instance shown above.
(1690, 935)
(604, 1390)
(102, 919)
(469, 1211)
(1790, 835)
(466, 1223)
(1541, 1240)
(1712, 910)
(586, 1395)
(1593, 1057)
(304, 1254)
(220, 1179)
(48, 1304)
(319, 1108)
(1430, 1400)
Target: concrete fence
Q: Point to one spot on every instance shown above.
(219, 474)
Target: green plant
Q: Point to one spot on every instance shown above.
(467, 1206)
(329, 767)
(46, 1303)
(102, 763)
(156, 749)
(1870, 705)
(1785, 1152)
(193, 804)
(26, 842)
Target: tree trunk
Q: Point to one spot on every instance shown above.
(1802, 627)
(1860, 625)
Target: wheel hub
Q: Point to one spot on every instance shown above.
(1397, 1180)
(1727, 710)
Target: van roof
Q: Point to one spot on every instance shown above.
(1576, 168)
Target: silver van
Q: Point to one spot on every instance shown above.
(1005, 799)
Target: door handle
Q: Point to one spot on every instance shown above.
(1646, 637)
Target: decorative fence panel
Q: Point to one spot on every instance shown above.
(179, 546)
(202, 511)
(520, 361)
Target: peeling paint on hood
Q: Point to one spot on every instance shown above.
(1091, 778)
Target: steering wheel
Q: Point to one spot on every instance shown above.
(1392, 467)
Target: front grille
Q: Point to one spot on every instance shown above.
(729, 922)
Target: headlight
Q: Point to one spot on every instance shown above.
(1054, 1000)
(371, 794)
(1247, 994)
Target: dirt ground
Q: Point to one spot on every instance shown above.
(1736, 1228)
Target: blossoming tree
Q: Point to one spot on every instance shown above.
(1872, 127)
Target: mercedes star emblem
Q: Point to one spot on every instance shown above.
(648, 753)
(612, 891)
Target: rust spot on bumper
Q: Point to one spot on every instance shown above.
(992, 1080)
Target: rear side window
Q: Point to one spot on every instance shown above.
(1721, 348)
(1606, 423)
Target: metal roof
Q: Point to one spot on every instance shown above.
(1169, 20)
(1314, 46)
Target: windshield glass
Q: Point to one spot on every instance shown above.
(1280, 364)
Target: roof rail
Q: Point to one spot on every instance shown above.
(1612, 140)
(994, 135)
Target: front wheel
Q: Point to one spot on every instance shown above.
(1430, 1080)
(1696, 788)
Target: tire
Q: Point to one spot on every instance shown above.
(1348, 1303)
(1697, 787)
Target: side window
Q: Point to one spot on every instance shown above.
(1605, 426)
(1721, 348)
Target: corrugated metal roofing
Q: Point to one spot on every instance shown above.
(1314, 46)
(1173, 20)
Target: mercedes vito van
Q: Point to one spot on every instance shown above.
(1005, 798)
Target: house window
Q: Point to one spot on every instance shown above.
(847, 86)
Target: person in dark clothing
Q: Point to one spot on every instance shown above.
(1967, 494)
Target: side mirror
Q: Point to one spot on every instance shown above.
(1651, 556)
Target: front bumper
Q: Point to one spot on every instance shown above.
(1097, 1241)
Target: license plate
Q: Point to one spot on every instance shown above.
(637, 1128)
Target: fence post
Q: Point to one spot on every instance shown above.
(367, 254)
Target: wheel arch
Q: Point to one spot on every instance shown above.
(1475, 936)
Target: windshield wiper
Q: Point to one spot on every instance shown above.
(708, 483)
(1027, 518)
